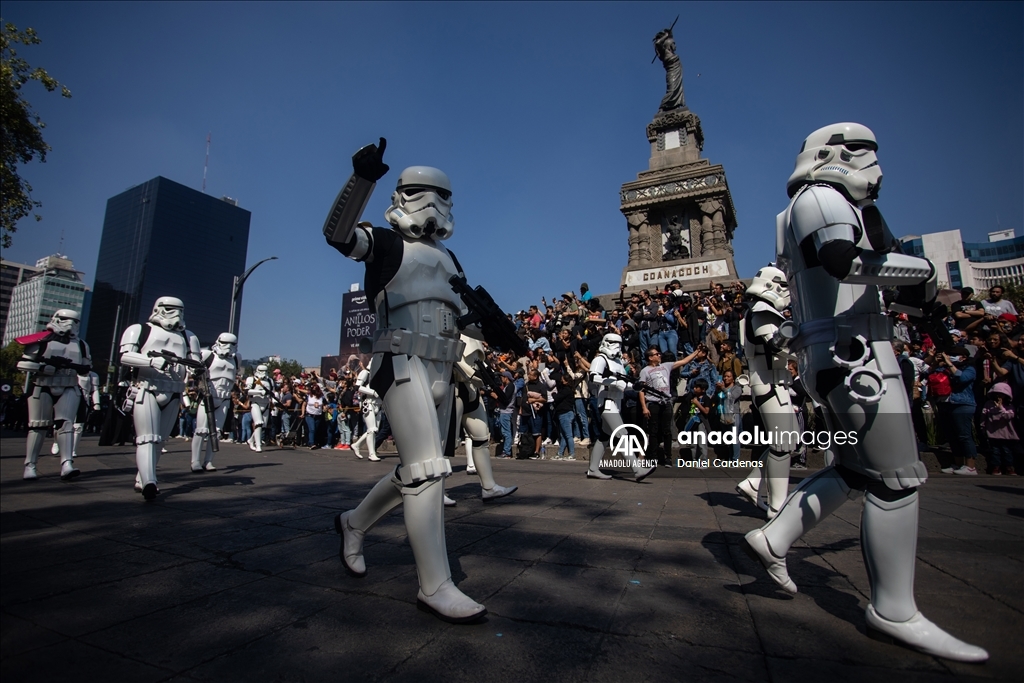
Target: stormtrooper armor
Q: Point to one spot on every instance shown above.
(414, 349)
(222, 366)
(370, 405)
(836, 250)
(159, 382)
(260, 390)
(56, 358)
(762, 334)
(606, 383)
(472, 416)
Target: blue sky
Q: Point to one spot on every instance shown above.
(536, 111)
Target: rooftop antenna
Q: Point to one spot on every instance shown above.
(206, 164)
(60, 245)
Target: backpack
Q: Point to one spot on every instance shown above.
(938, 385)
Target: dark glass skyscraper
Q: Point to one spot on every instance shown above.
(161, 238)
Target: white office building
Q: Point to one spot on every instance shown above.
(978, 265)
(55, 285)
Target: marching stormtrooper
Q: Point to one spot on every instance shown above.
(764, 344)
(837, 250)
(606, 372)
(89, 386)
(472, 417)
(370, 405)
(158, 350)
(260, 391)
(222, 368)
(407, 273)
(56, 358)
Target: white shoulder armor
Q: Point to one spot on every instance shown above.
(821, 207)
(131, 337)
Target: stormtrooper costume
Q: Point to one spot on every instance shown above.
(56, 358)
(259, 388)
(471, 415)
(370, 405)
(222, 366)
(160, 382)
(836, 249)
(89, 386)
(764, 344)
(407, 273)
(609, 389)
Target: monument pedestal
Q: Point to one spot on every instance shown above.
(679, 212)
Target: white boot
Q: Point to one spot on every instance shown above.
(257, 438)
(199, 441)
(748, 487)
(33, 444)
(65, 439)
(489, 489)
(353, 525)
(817, 497)
(889, 544)
(68, 470)
(449, 502)
(351, 551)
(923, 635)
(54, 449)
(496, 492)
(596, 454)
(424, 522)
(355, 446)
(641, 473)
(371, 444)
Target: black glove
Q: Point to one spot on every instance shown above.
(368, 162)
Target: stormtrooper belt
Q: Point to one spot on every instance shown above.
(870, 326)
(425, 346)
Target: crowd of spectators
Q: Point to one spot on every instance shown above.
(684, 348)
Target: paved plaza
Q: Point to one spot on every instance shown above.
(235, 576)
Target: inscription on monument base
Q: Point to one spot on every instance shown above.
(682, 272)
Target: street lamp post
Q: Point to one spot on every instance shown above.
(236, 290)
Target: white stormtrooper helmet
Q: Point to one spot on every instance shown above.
(841, 155)
(422, 204)
(65, 322)
(168, 313)
(770, 285)
(261, 372)
(225, 345)
(611, 346)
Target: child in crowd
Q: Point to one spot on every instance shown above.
(997, 421)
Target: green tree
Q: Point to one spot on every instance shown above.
(9, 372)
(289, 368)
(22, 129)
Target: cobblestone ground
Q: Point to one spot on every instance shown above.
(234, 575)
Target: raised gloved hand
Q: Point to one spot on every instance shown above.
(368, 162)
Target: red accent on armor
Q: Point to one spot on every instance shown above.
(34, 338)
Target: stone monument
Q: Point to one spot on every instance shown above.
(679, 211)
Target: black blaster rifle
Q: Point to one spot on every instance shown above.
(489, 378)
(201, 373)
(642, 386)
(498, 330)
(62, 362)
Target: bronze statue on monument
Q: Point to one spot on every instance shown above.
(665, 50)
(679, 212)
